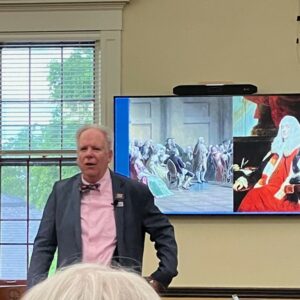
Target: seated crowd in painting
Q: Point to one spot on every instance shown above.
(181, 167)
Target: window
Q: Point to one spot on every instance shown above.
(47, 91)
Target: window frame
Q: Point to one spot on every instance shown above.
(22, 219)
(73, 20)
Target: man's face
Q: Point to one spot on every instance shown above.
(93, 155)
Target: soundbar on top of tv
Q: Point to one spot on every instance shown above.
(214, 89)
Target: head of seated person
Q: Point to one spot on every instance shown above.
(92, 282)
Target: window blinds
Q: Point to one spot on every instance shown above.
(47, 91)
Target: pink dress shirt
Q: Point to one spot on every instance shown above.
(98, 226)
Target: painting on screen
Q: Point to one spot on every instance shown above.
(266, 166)
(182, 148)
(212, 154)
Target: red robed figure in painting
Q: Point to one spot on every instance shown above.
(278, 167)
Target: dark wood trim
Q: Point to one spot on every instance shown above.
(4, 282)
(282, 293)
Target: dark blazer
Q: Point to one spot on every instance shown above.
(60, 227)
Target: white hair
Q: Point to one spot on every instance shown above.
(107, 132)
(287, 146)
(85, 281)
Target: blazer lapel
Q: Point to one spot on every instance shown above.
(76, 199)
(119, 204)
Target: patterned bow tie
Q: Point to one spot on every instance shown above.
(83, 188)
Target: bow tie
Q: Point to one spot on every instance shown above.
(83, 188)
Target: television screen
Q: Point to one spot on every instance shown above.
(212, 154)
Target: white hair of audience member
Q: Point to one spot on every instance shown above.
(86, 281)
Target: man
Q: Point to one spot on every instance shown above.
(268, 183)
(99, 216)
(185, 175)
(200, 160)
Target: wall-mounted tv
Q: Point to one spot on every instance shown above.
(214, 155)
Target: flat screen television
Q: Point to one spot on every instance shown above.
(212, 155)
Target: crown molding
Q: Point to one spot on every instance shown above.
(42, 5)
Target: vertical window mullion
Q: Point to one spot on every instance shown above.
(62, 98)
(27, 210)
(60, 168)
(29, 100)
(0, 98)
(96, 81)
(0, 196)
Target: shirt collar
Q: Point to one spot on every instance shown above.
(101, 181)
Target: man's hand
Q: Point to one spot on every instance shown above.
(240, 184)
(157, 286)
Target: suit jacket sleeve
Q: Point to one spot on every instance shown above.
(44, 244)
(162, 234)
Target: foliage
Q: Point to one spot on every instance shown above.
(71, 87)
